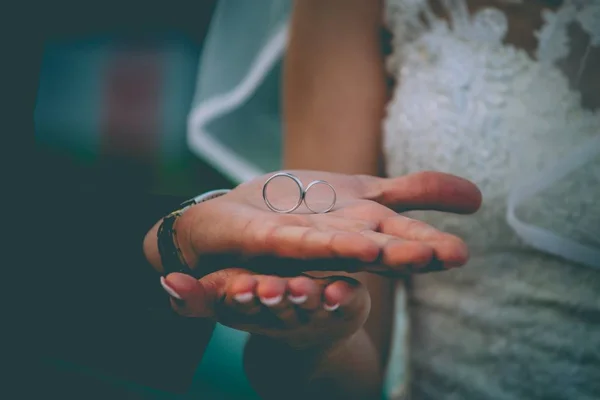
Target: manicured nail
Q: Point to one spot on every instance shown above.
(334, 307)
(169, 289)
(271, 301)
(243, 297)
(297, 299)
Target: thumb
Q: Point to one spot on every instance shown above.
(427, 190)
(191, 297)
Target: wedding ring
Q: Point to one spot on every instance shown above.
(320, 182)
(300, 195)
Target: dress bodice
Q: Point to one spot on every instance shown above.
(469, 103)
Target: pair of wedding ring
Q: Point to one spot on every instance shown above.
(301, 196)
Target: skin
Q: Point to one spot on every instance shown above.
(335, 89)
(321, 353)
(324, 352)
(334, 343)
(306, 348)
(309, 323)
(334, 102)
(363, 227)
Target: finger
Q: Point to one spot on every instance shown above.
(257, 301)
(295, 245)
(273, 294)
(450, 250)
(304, 292)
(270, 290)
(310, 243)
(240, 297)
(188, 296)
(197, 298)
(286, 236)
(347, 297)
(397, 252)
(346, 223)
(424, 191)
(273, 304)
(410, 229)
(341, 297)
(242, 308)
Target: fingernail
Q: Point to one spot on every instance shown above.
(297, 299)
(169, 289)
(243, 297)
(334, 307)
(271, 301)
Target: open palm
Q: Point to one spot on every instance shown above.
(363, 229)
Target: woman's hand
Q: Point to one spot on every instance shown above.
(363, 229)
(250, 259)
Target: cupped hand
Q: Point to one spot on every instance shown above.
(362, 230)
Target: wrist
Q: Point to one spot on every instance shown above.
(173, 238)
(184, 225)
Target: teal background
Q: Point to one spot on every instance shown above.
(67, 117)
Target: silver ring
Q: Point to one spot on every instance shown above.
(319, 182)
(300, 196)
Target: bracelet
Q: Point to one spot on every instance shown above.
(170, 255)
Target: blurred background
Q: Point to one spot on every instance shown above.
(116, 81)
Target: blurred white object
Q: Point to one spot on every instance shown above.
(234, 123)
(474, 106)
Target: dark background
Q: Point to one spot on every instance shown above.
(104, 328)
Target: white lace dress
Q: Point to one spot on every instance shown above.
(522, 320)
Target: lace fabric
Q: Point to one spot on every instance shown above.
(505, 93)
(473, 105)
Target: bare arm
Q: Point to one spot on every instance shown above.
(334, 99)
(334, 94)
(334, 102)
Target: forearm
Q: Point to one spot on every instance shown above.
(348, 370)
(334, 87)
(334, 102)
